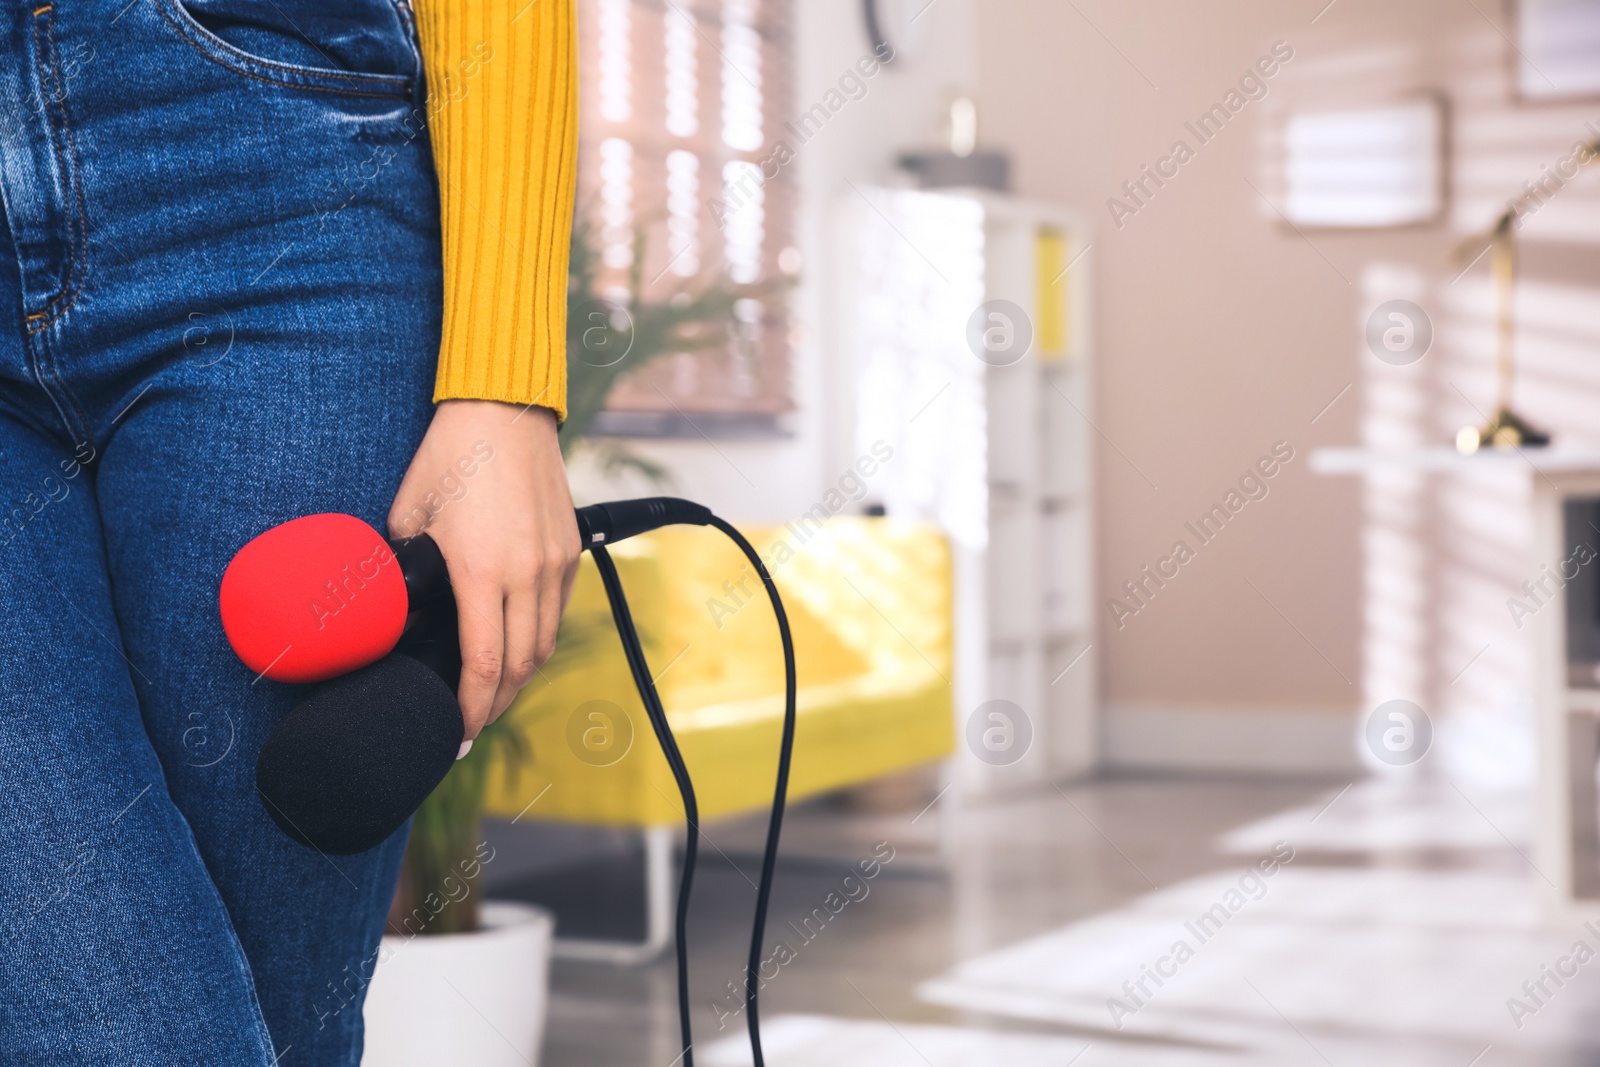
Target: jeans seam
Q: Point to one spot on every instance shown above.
(61, 143)
(50, 382)
(399, 87)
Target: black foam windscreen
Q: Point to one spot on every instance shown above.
(357, 756)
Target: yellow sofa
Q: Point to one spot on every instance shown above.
(869, 603)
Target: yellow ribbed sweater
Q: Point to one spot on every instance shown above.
(503, 121)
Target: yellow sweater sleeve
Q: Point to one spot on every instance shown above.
(503, 121)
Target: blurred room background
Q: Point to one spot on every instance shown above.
(1093, 376)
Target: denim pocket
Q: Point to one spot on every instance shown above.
(290, 74)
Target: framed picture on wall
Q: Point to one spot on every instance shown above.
(1557, 50)
(1370, 167)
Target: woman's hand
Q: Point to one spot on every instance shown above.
(488, 485)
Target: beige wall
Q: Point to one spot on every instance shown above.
(1221, 331)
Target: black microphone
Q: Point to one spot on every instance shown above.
(354, 759)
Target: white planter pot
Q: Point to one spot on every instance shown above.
(474, 1000)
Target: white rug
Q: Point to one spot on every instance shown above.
(1417, 963)
(1380, 815)
(823, 1041)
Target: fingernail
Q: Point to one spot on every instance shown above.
(466, 746)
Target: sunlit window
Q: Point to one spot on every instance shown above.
(616, 72)
(682, 103)
(683, 212)
(616, 201)
(683, 77)
(741, 76)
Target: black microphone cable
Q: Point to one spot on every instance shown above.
(669, 747)
(780, 793)
(604, 523)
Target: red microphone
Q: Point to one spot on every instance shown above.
(313, 599)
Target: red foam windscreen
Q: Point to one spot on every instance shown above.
(313, 599)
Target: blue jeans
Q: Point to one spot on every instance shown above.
(220, 289)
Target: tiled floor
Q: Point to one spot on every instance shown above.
(1395, 934)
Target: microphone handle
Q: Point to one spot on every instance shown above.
(430, 633)
(422, 565)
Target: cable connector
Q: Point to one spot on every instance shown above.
(606, 524)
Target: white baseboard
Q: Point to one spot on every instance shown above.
(1264, 741)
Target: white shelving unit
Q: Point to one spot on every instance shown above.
(1567, 828)
(1566, 837)
(999, 452)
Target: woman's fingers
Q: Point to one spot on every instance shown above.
(509, 621)
(549, 609)
(481, 613)
(523, 621)
(533, 616)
